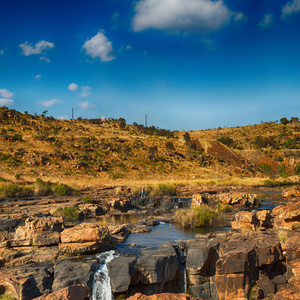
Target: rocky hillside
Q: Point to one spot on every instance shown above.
(90, 151)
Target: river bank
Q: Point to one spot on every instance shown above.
(41, 253)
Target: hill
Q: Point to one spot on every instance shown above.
(90, 152)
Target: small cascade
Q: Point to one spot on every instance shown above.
(101, 284)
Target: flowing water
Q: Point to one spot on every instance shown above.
(164, 232)
(101, 284)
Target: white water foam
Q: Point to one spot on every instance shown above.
(101, 284)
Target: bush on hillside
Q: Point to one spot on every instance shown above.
(67, 213)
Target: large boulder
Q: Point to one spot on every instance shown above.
(155, 271)
(74, 292)
(201, 257)
(238, 198)
(287, 217)
(122, 272)
(26, 282)
(90, 210)
(245, 221)
(44, 231)
(72, 272)
(85, 238)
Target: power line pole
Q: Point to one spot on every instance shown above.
(72, 113)
(146, 121)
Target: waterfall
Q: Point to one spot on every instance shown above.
(101, 284)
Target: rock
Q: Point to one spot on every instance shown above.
(245, 220)
(264, 218)
(73, 272)
(140, 229)
(85, 238)
(291, 194)
(201, 258)
(119, 232)
(152, 223)
(198, 200)
(44, 231)
(18, 256)
(121, 272)
(239, 198)
(84, 232)
(163, 296)
(122, 204)
(155, 271)
(26, 282)
(289, 213)
(91, 210)
(74, 292)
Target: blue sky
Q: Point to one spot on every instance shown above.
(187, 64)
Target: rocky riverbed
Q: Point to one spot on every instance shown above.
(43, 256)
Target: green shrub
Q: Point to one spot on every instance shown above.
(297, 170)
(68, 213)
(42, 188)
(7, 297)
(186, 218)
(86, 199)
(164, 190)
(14, 191)
(270, 183)
(204, 216)
(63, 190)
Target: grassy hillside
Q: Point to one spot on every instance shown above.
(92, 152)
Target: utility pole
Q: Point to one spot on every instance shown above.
(146, 121)
(72, 113)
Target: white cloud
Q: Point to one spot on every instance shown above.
(290, 8)
(85, 105)
(1, 52)
(85, 91)
(182, 15)
(99, 46)
(45, 59)
(267, 21)
(29, 49)
(6, 93)
(72, 87)
(38, 76)
(5, 102)
(48, 103)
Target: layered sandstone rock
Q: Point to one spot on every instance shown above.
(85, 238)
(163, 296)
(74, 292)
(238, 198)
(42, 231)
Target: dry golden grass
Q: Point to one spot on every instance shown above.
(122, 157)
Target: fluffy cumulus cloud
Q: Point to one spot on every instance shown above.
(182, 15)
(49, 103)
(290, 8)
(38, 48)
(267, 21)
(6, 93)
(73, 87)
(86, 105)
(5, 97)
(99, 46)
(6, 102)
(85, 91)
